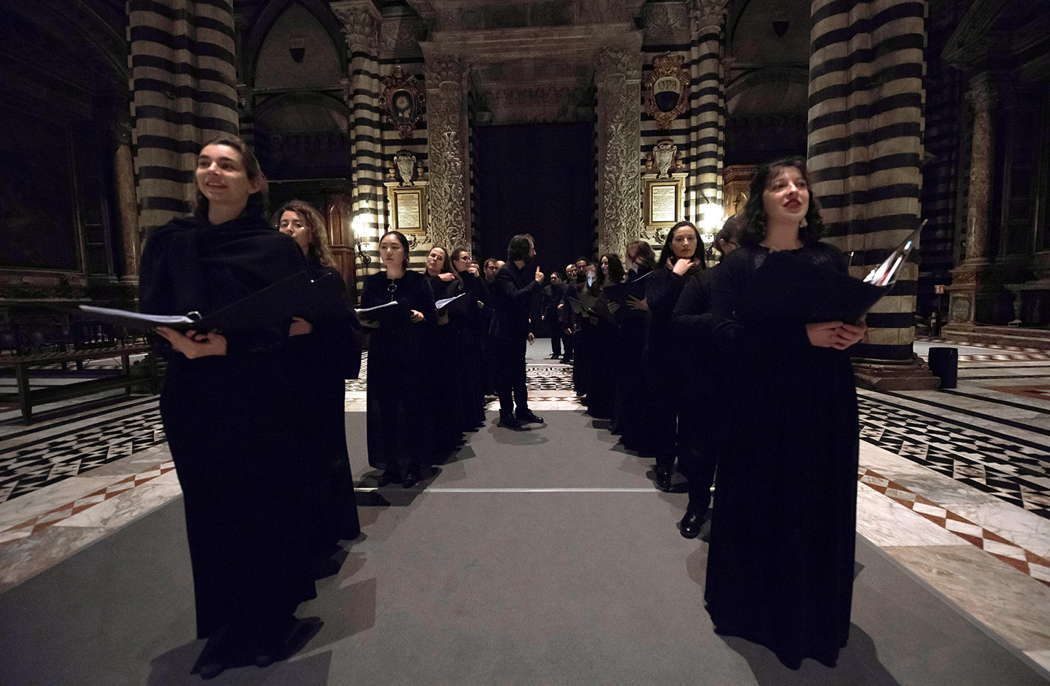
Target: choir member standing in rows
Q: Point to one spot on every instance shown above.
(702, 432)
(444, 428)
(565, 313)
(681, 257)
(605, 343)
(633, 407)
(321, 354)
(517, 284)
(487, 312)
(474, 328)
(553, 295)
(781, 560)
(396, 353)
(224, 408)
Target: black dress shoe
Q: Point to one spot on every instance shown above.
(410, 479)
(508, 422)
(690, 524)
(388, 477)
(528, 417)
(663, 478)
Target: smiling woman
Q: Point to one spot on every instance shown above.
(222, 410)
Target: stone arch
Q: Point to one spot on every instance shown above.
(327, 25)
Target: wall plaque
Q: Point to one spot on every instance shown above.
(663, 203)
(663, 200)
(408, 207)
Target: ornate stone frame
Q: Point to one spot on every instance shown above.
(415, 194)
(666, 66)
(651, 182)
(398, 86)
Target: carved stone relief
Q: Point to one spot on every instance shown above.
(666, 22)
(446, 119)
(360, 26)
(619, 192)
(708, 13)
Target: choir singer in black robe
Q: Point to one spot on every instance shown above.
(780, 564)
(224, 411)
(396, 353)
(682, 256)
(321, 354)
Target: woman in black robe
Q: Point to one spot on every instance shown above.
(601, 393)
(702, 410)
(445, 416)
(780, 565)
(632, 406)
(320, 358)
(472, 327)
(224, 408)
(396, 353)
(681, 257)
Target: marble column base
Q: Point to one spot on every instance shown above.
(890, 376)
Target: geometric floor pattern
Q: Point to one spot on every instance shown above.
(1013, 470)
(40, 463)
(1004, 550)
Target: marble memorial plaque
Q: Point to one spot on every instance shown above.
(408, 211)
(663, 203)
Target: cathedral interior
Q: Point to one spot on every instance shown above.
(589, 124)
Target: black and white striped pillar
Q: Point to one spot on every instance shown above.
(865, 146)
(707, 109)
(183, 88)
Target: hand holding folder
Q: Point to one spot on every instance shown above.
(296, 295)
(789, 288)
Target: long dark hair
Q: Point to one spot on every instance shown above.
(754, 231)
(318, 251)
(401, 239)
(257, 201)
(446, 264)
(616, 270)
(668, 252)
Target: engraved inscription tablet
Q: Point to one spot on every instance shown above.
(663, 203)
(408, 211)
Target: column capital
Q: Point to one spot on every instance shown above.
(613, 62)
(360, 24)
(984, 92)
(708, 14)
(444, 69)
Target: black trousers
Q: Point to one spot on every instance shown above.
(556, 342)
(569, 345)
(510, 375)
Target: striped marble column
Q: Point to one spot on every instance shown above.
(865, 150)
(183, 88)
(365, 128)
(707, 119)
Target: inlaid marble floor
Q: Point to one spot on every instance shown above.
(955, 485)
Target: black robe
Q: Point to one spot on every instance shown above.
(445, 418)
(780, 566)
(468, 315)
(702, 411)
(632, 406)
(605, 347)
(661, 348)
(396, 359)
(320, 362)
(226, 422)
